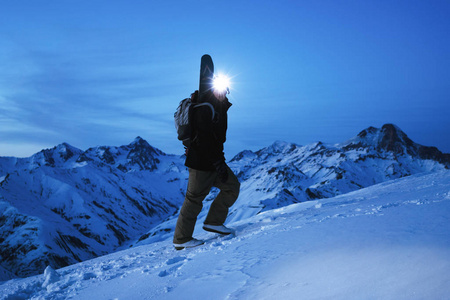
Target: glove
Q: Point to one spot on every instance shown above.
(222, 170)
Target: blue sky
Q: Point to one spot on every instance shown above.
(93, 73)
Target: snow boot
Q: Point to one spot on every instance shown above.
(218, 229)
(189, 244)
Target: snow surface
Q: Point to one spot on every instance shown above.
(387, 241)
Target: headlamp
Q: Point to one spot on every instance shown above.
(221, 83)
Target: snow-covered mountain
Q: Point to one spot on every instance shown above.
(64, 205)
(387, 241)
(286, 173)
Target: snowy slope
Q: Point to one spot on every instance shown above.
(388, 241)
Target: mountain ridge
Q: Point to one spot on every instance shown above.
(391, 138)
(64, 205)
(286, 173)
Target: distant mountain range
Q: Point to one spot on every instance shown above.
(64, 205)
(286, 173)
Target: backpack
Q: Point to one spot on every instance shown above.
(183, 122)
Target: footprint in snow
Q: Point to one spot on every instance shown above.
(174, 260)
(175, 263)
(163, 273)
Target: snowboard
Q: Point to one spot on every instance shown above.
(206, 76)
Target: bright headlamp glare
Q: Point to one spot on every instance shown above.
(221, 84)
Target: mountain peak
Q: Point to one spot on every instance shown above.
(368, 131)
(55, 156)
(66, 151)
(141, 153)
(393, 139)
(138, 140)
(389, 138)
(243, 155)
(278, 147)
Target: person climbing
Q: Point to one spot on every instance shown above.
(205, 160)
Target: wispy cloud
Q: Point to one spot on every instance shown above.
(84, 99)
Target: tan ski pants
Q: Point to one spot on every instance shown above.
(199, 186)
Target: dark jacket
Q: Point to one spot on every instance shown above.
(209, 135)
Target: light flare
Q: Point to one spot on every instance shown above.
(221, 83)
